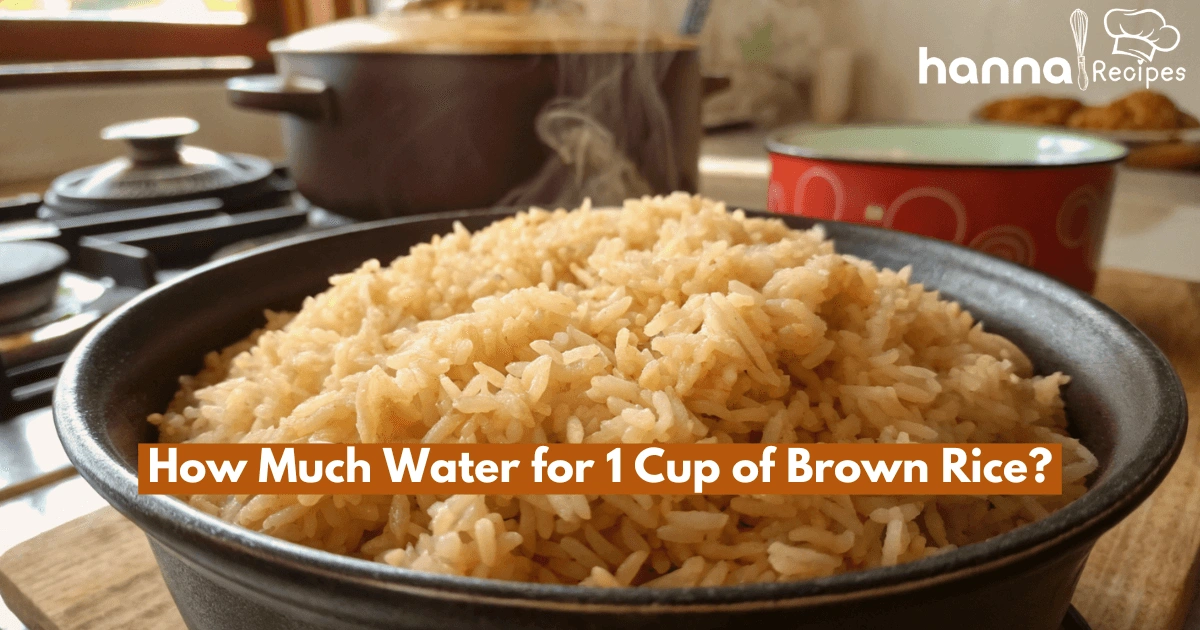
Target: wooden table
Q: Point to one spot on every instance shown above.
(97, 572)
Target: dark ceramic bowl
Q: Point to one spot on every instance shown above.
(1124, 400)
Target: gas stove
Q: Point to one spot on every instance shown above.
(103, 234)
(95, 239)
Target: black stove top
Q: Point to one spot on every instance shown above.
(114, 255)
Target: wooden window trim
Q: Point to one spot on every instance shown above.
(46, 41)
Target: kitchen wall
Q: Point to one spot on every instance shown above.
(887, 34)
(45, 132)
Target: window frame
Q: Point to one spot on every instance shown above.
(29, 41)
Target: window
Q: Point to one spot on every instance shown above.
(176, 11)
(65, 41)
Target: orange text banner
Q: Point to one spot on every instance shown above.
(511, 469)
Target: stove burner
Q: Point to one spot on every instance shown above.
(28, 277)
(115, 250)
(32, 348)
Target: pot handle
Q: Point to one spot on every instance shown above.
(302, 96)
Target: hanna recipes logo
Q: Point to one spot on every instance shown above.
(1137, 34)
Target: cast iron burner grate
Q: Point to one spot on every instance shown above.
(113, 256)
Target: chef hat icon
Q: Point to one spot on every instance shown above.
(1140, 33)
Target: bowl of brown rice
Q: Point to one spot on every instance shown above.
(670, 319)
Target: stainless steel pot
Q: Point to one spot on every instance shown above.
(419, 112)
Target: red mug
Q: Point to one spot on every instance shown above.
(1038, 197)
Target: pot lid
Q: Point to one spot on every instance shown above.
(443, 28)
(158, 169)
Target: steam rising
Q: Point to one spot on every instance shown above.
(609, 132)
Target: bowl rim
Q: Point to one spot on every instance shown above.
(778, 145)
(180, 526)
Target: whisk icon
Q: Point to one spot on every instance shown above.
(1079, 22)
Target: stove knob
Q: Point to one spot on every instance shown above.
(153, 140)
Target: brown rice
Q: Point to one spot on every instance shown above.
(668, 320)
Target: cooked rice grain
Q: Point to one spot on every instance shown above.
(668, 320)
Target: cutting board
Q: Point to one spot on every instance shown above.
(1141, 575)
(97, 572)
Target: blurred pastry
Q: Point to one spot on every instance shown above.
(1031, 110)
(1143, 110)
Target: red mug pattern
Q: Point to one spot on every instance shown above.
(1050, 218)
